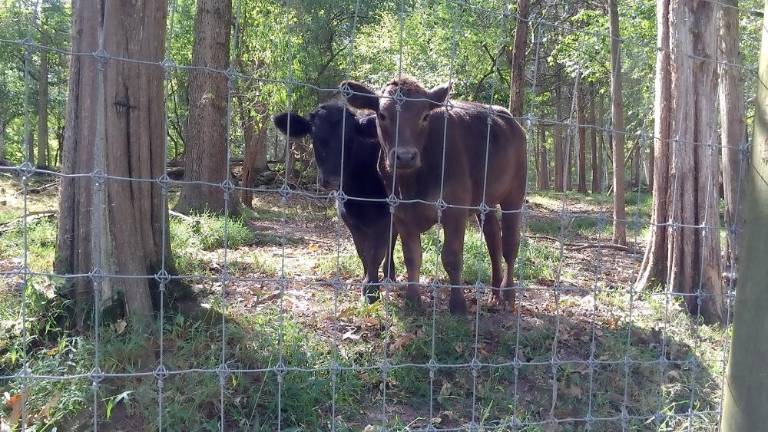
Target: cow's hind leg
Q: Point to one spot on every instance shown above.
(492, 234)
(510, 240)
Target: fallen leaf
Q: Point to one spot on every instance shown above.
(313, 247)
(350, 335)
(120, 326)
(14, 403)
(402, 341)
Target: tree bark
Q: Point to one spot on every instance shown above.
(205, 158)
(29, 144)
(745, 395)
(581, 121)
(732, 115)
(542, 167)
(255, 158)
(558, 140)
(2, 139)
(683, 249)
(617, 124)
(595, 161)
(114, 123)
(42, 107)
(517, 64)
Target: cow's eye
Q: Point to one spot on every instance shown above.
(382, 117)
(424, 118)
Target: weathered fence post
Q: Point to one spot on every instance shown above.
(746, 385)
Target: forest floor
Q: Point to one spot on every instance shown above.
(581, 351)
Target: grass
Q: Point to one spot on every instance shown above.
(310, 330)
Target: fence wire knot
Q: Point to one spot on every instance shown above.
(160, 373)
(165, 184)
(96, 375)
(25, 170)
(346, 91)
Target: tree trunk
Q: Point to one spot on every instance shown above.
(683, 249)
(42, 108)
(29, 144)
(2, 139)
(517, 64)
(617, 124)
(746, 385)
(732, 114)
(636, 165)
(595, 162)
(542, 166)
(558, 141)
(114, 123)
(255, 158)
(581, 121)
(205, 158)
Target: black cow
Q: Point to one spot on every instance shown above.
(365, 211)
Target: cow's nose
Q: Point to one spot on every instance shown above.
(406, 156)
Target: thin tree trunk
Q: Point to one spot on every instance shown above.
(636, 165)
(617, 123)
(205, 158)
(745, 395)
(542, 170)
(2, 140)
(732, 124)
(558, 141)
(29, 144)
(517, 63)
(595, 162)
(42, 108)
(581, 121)
(255, 158)
(114, 123)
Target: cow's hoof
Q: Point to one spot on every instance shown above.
(371, 294)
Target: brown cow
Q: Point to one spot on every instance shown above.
(484, 163)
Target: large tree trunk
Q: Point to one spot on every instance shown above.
(595, 162)
(732, 114)
(115, 125)
(617, 123)
(42, 108)
(205, 159)
(680, 253)
(517, 63)
(745, 395)
(581, 122)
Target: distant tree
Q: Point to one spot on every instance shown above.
(205, 158)
(617, 122)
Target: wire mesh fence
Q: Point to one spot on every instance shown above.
(585, 348)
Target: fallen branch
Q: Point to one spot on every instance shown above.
(30, 217)
(583, 246)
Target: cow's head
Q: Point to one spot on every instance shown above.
(330, 126)
(403, 110)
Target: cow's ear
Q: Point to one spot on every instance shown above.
(367, 127)
(299, 126)
(439, 94)
(362, 97)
